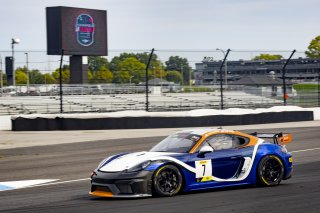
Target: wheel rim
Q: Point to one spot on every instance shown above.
(168, 181)
(272, 170)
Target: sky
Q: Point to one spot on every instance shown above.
(279, 25)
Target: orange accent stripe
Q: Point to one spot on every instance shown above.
(252, 139)
(101, 194)
(194, 148)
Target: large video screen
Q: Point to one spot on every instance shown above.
(78, 31)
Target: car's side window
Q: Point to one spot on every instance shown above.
(239, 141)
(226, 141)
(219, 142)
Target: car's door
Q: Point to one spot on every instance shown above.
(223, 163)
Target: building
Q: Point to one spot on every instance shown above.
(298, 70)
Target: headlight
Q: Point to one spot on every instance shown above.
(139, 167)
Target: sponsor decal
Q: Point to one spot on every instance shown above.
(203, 170)
(85, 29)
(290, 159)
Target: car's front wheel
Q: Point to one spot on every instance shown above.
(167, 180)
(270, 170)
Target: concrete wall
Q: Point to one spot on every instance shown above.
(142, 122)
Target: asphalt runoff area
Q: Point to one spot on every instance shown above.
(70, 157)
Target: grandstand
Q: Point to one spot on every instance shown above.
(118, 102)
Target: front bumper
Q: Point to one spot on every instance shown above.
(121, 184)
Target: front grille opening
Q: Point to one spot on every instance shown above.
(125, 188)
(100, 188)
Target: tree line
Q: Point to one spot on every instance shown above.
(130, 68)
(125, 68)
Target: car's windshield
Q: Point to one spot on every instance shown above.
(180, 142)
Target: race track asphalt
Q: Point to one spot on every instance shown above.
(72, 165)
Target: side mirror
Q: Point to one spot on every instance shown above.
(205, 149)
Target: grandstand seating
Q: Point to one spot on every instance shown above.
(116, 102)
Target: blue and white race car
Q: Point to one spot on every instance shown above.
(193, 160)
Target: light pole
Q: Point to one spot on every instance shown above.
(318, 87)
(225, 68)
(190, 79)
(13, 42)
(28, 79)
(130, 79)
(182, 76)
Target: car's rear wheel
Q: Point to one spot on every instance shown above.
(167, 181)
(270, 170)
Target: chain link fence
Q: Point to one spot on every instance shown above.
(198, 88)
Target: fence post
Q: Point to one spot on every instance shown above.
(221, 84)
(318, 87)
(285, 96)
(147, 79)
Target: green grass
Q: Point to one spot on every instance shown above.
(305, 87)
(198, 89)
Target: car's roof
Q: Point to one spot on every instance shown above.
(207, 132)
(202, 131)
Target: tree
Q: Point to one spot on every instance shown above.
(21, 77)
(90, 76)
(4, 79)
(179, 64)
(142, 57)
(158, 68)
(36, 77)
(114, 64)
(314, 48)
(121, 77)
(174, 76)
(102, 76)
(267, 57)
(97, 62)
(49, 79)
(65, 74)
(135, 69)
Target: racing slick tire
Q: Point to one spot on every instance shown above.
(270, 171)
(167, 181)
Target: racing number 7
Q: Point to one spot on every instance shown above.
(204, 168)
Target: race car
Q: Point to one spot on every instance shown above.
(196, 159)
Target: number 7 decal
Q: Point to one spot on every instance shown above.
(203, 170)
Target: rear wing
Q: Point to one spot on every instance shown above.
(278, 138)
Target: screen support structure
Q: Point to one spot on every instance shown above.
(78, 70)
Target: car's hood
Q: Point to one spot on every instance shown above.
(129, 160)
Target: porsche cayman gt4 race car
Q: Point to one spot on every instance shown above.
(193, 160)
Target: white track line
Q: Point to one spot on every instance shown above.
(62, 182)
(305, 150)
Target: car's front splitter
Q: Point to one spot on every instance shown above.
(121, 184)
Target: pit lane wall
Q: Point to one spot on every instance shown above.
(144, 120)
